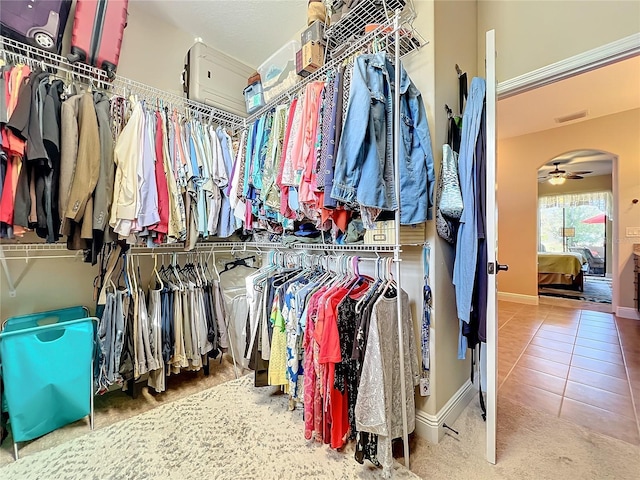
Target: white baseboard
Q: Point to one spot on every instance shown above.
(430, 427)
(518, 298)
(626, 312)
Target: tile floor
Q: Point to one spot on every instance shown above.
(581, 365)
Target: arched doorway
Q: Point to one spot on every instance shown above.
(575, 226)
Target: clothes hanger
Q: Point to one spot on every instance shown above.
(175, 271)
(359, 279)
(164, 273)
(347, 276)
(155, 272)
(122, 275)
(138, 275)
(201, 264)
(389, 289)
(375, 289)
(239, 262)
(185, 272)
(215, 268)
(131, 274)
(196, 270)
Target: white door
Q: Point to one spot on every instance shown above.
(492, 250)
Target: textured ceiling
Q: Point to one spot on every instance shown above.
(248, 30)
(595, 161)
(605, 91)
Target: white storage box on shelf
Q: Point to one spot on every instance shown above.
(384, 233)
(213, 78)
(278, 72)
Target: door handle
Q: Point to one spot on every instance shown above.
(493, 268)
(502, 268)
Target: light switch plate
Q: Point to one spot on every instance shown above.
(633, 232)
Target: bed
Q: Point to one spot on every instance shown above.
(561, 269)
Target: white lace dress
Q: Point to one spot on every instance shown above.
(379, 404)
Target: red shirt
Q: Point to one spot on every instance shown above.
(162, 227)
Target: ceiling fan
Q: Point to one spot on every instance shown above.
(558, 177)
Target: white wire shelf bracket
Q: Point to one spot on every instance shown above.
(60, 66)
(410, 41)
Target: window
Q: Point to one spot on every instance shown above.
(574, 222)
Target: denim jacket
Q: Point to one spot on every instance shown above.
(366, 147)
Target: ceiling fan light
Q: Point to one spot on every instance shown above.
(557, 180)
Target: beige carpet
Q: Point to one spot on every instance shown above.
(116, 406)
(531, 445)
(231, 431)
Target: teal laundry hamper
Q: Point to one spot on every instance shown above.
(47, 369)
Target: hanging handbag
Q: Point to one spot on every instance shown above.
(446, 228)
(451, 200)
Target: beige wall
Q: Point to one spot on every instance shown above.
(599, 183)
(518, 161)
(460, 18)
(147, 56)
(45, 284)
(153, 51)
(421, 67)
(532, 34)
(432, 70)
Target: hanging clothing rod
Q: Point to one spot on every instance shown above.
(119, 86)
(238, 246)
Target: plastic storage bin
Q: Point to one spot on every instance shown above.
(47, 370)
(43, 319)
(278, 72)
(253, 97)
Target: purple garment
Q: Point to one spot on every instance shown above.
(148, 214)
(334, 134)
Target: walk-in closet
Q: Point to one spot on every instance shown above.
(146, 188)
(252, 240)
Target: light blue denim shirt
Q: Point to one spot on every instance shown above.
(464, 268)
(366, 147)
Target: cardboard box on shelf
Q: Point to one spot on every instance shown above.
(254, 78)
(312, 57)
(314, 33)
(299, 70)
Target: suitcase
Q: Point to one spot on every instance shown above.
(96, 38)
(37, 22)
(215, 79)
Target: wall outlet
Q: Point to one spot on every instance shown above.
(633, 232)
